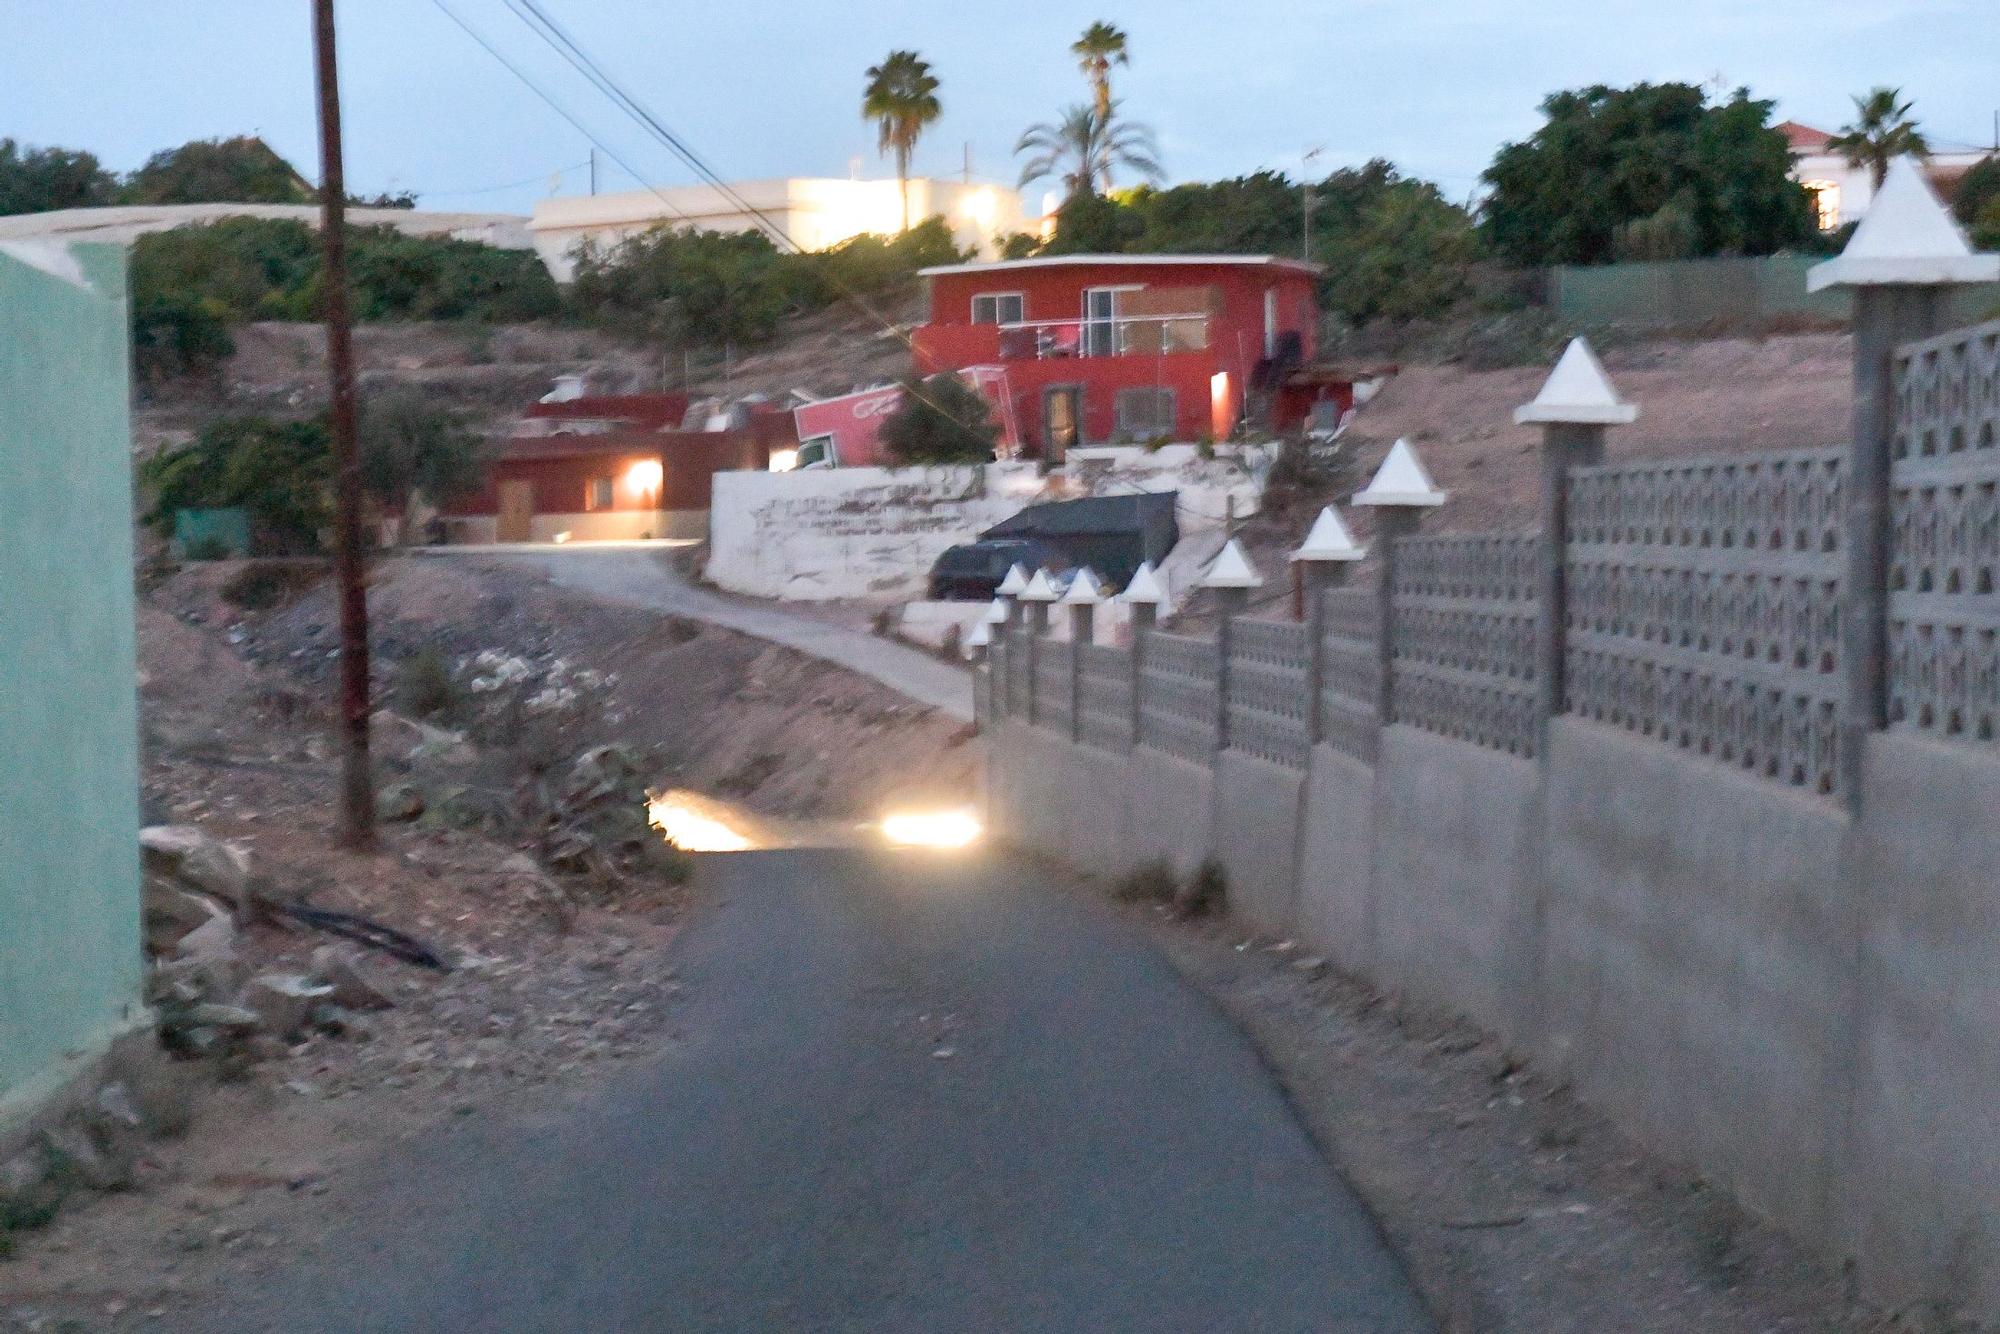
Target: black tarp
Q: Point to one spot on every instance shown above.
(1109, 534)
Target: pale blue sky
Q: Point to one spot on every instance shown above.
(766, 89)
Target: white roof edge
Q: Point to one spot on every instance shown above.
(1053, 261)
(1916, 271)
(1604, 414)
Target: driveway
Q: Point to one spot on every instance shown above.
(643, 575)
(913, 1093)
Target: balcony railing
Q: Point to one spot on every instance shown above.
(1116, 336)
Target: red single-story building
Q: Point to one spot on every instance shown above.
(1101, 349)
(605, 468)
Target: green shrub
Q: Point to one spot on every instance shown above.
(941, 420)
(263, 584)
(427, 687)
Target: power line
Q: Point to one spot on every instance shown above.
(556, 106)
(495, 189)
(565, 45)
(554, 36)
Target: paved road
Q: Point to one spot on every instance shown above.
(644, 576)
(913, 1094)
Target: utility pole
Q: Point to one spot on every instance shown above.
(357, 785)
(593, 171)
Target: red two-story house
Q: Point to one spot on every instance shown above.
(1107, 348)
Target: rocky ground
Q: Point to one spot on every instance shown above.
(503, 851)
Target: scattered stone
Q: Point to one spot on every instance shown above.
(170, 913)
(114, 1100)
(75, 1152)
(284, 1001)
(343, 970)
(213, 940)
(400, 802)
(212, 1014)
(198, 861)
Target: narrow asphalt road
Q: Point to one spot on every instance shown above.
(646, 577)
(909, 1093)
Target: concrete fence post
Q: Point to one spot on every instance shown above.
(1144, 596)
(1400, 492)
(1900, 261)
(1577, 402)
(1230, 577)
(1082, 599)
(1322, 561)
(1037, 597)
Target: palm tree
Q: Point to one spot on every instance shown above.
(1101, 46)
(1083, 147)
(1882, 131)
(901, 98)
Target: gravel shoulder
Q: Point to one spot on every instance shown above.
(1515, 1207)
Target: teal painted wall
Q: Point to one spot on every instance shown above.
(69, 773)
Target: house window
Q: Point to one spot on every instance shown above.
(1100, 321)
(999, 308)
(597, 494)
(1825, 203)
(1145, 413)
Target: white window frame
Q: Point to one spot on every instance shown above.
(996, 298)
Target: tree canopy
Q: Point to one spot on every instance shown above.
(190, 285)
(1084, 148)
(1394, 247)
(901, 98)
(1880, 132)
(38, 180)
(242, 170)
(1690, 176)
(1101, 46)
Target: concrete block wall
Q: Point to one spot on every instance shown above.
(1800, 1002)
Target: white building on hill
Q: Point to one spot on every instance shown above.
(1841, 192)
(816, 212)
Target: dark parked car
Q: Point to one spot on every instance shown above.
(972, 571)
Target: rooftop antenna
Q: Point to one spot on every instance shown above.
(1306, 188)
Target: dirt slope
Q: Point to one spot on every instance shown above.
(1727, 396)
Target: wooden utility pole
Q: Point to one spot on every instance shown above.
(357, 785)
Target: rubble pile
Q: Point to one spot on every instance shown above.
(199, 892)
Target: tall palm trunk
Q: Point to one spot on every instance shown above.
(903, 180)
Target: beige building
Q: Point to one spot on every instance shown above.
(815, 212)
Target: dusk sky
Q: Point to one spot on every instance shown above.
(770, 89)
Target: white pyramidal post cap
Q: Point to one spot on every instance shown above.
(1015, 583)
(1578, 391)
(1329, 540)
(1232, 569)
(1906, 238)
(997, 613)
(1039, 589)
(1401, 480)
(981, 635)
(1145, 588)
(1084, 590)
